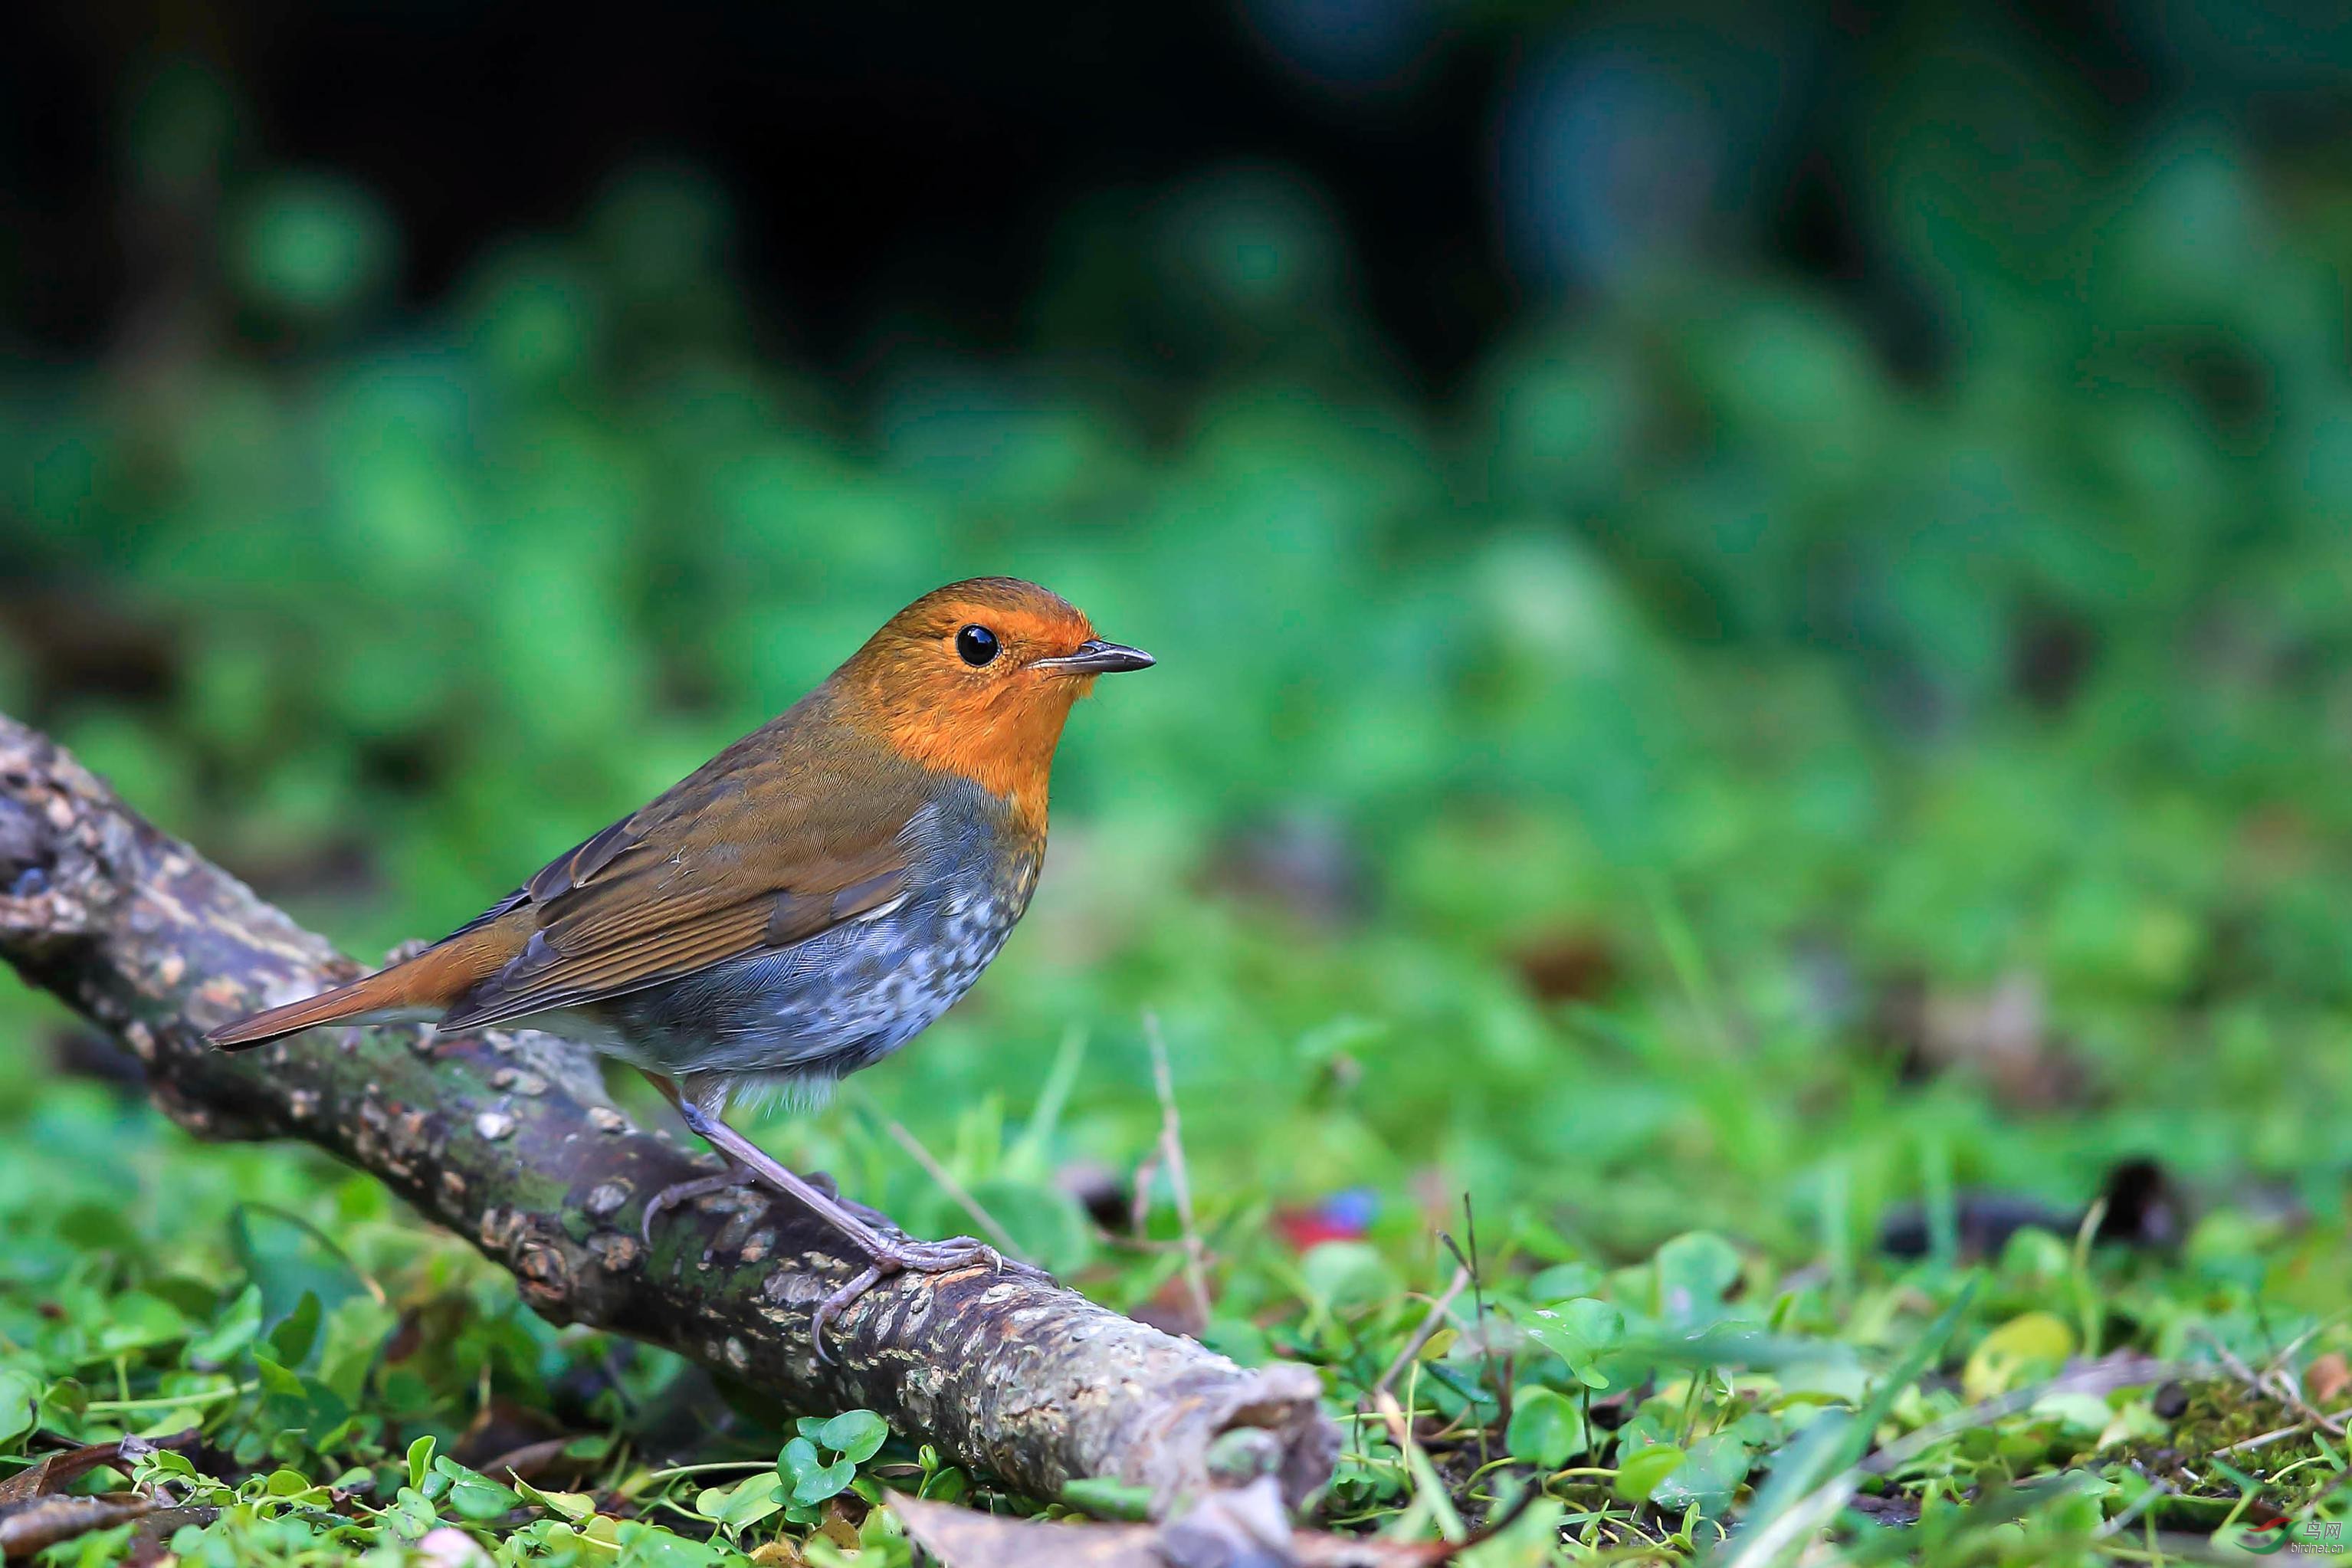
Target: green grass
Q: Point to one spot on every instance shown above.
(1674, 1189)
(1647, 802)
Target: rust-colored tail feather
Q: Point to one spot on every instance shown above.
(424, 987)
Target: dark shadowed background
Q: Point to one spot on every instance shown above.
(1752, 605)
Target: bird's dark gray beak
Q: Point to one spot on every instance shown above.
(1096, 656)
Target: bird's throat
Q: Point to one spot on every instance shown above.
(1005, 745)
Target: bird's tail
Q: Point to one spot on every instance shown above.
(422, 987)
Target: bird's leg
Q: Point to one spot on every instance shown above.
(886, 1254)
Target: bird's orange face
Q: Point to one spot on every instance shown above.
(977, 678)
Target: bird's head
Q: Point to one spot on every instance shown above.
(976, 679)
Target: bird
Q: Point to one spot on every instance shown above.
(797, 908)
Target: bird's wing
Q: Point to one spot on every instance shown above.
(749, 853)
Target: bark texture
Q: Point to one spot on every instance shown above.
(507, 1140)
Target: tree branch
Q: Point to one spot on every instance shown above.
(508, 1140)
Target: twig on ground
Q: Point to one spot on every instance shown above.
(954, 1189)
(2263, 1441)
(2272, 1382)
(1429, 1327)
(1500, 1381)
(1179, 1183)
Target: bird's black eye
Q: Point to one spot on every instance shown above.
(977, 644)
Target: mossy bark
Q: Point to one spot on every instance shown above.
(508, 1140)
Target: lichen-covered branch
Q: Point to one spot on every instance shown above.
(507, 1140)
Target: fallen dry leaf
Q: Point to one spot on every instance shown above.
(34, 1515)
(27, 1526)
(2326, 1378)
(1224, 1529)
(65, 1467)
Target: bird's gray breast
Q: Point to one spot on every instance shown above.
(850, 994)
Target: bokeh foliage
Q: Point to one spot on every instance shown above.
(1710, 774)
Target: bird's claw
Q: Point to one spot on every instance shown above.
(677, 1193)
(918, 1257)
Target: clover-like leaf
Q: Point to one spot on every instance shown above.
(742, 1505)
(1579, 1332)
(1709, 1475)
(855, 1434)
(811, 1479)
(1643, 1472)
(1547, 1428)
(473, 1494)
(1695, 1271)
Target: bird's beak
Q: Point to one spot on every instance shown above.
(1096, 656)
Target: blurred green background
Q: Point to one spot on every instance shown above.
(1752, 608)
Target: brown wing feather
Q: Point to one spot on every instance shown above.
(764, 846)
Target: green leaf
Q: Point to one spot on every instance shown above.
(420, 1460)
(647, 1545)
(277, 1380)
(833, 1480)
(1641, 1472)
(473, 1494)
(1836, 1439)
(1579, 1332)
(1344, 1274)
(742, 1504)
(811, 1479)
(1547, 1428)
(19, 1393)
(1709, 1475)
(234, 1330)
(289, 1257)
(566, 1505)
(291, 1339)
(1106, 1499)
(2026, 1349)
(353, 1332)
(2080, 1413)
(799, 1457)
(170, 1461)
(480, 1499)
(856, 1435)
(137, 1321)
(1695, 1271)
(1563, 1280)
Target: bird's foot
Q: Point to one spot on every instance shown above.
(902, 1256)
(732, 1180)
(735, 1178)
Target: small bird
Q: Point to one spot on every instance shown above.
(795, 909)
